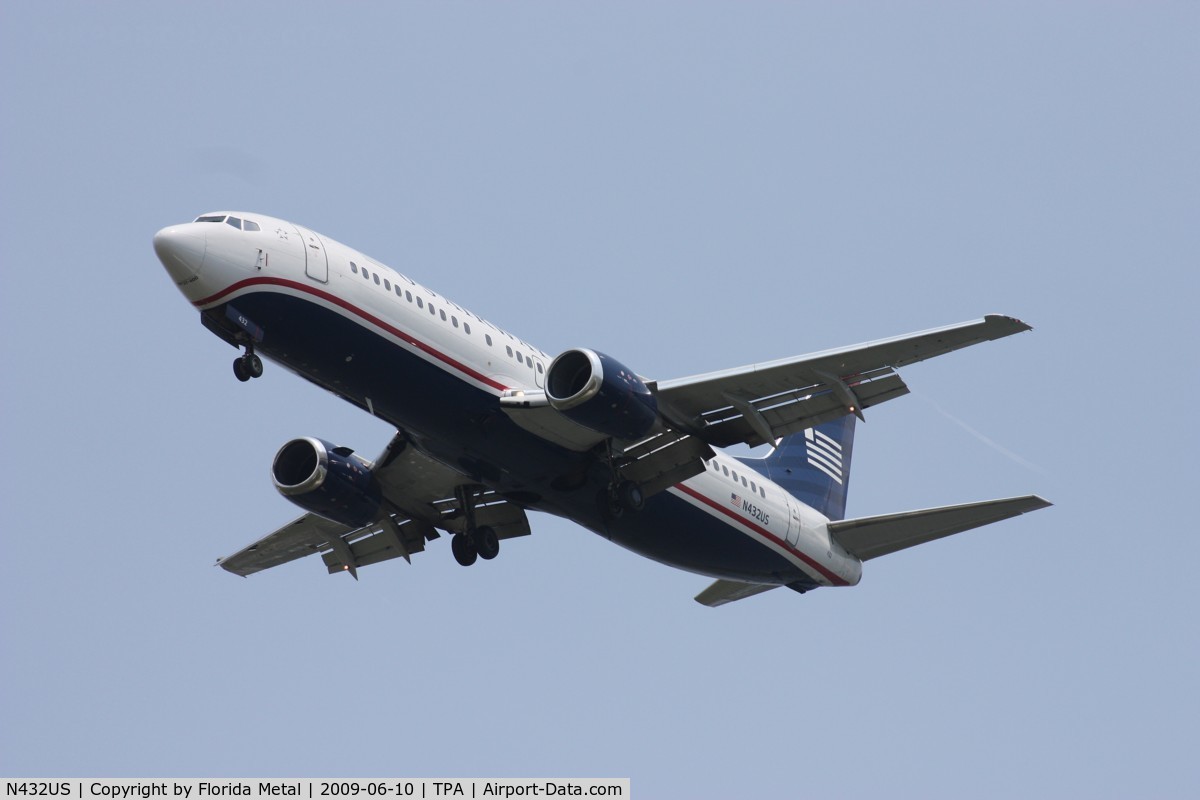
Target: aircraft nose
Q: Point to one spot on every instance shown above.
(181, 250)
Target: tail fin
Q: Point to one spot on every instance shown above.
(813, 465)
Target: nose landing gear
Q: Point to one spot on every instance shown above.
(248, 366)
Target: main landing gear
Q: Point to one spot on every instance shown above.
(476, 541)
(248, 366)
(482, 542)
(619, 497)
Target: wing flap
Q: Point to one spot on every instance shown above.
(870, 537)
(796, 410)
(390, 538)
(507, 519)
(781, 397)
(664, 460)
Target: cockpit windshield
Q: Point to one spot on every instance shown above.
(237, 222)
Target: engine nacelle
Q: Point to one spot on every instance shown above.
(601, 393)
(327, 480)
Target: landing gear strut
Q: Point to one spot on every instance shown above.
(248, 366)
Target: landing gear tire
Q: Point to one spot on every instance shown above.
(486, 542)
(247, 367)
(464, 549)
(610, 508)
(630, 496)
(254, 365)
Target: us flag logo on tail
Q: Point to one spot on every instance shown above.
(824, 453)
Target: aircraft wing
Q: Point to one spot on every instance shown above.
(760, 403)
(421, 497)
(870, 537)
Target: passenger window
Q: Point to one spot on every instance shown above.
(420, 303)
(520, 359)
(762, 492)
(387, 284)
(744, 482)
(467, 328)
(487, 337)
(366, 275)
(442, 314)
(753, 488)
(399, 293)
(235, 222)
(454, 321)
(725, 470)
(539, 367)
(734, 476)
(408, 296)
(247, 225)
(432, 310)
(376, 276)
(354, 267)
(509, 351)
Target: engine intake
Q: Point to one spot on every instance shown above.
(327, 480)
(601, 393)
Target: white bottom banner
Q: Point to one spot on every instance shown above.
(314, 789)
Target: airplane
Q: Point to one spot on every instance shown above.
(489, 427)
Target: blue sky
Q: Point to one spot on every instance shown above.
(688, 187)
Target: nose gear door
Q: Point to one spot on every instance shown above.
(316, 259)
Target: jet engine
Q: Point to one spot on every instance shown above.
(601, 393)
(327, 480)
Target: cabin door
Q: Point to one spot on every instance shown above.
(316, 260)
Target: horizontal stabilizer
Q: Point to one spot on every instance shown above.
(870, 537)
(722, 592)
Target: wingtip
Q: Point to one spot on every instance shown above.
(1013, 324)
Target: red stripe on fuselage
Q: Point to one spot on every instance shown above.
(721, 509)
(353, 309)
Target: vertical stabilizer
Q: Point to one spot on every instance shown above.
(814, 465)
